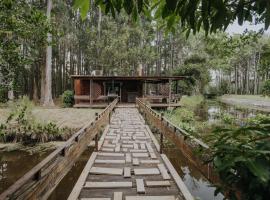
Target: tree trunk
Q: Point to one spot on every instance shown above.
(48, 101)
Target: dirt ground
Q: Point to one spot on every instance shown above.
(63, 117)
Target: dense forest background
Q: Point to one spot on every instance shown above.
(119, 46)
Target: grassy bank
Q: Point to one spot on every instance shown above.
(23, 122)
(256, 102)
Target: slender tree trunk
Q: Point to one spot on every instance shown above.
(247, 77)
(48, 101)
(255, 75)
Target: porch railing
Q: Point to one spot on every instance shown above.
(185, 142)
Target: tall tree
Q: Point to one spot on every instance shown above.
(48, 100)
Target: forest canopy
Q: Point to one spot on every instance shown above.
(118, 37)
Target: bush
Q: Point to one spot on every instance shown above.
(21, 126)
(266, 88)
(68, 98)
(3, 95)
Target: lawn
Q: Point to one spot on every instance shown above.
(63, 117)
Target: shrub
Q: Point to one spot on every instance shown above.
(68, 98)
(3, 95)
(266, 88)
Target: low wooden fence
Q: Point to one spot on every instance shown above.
(184, 141)
(41, 180)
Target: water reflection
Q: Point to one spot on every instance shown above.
(211, 110)
(197, 184)
(14, 165)
(65, 187)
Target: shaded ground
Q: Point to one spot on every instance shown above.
(256, 102)
(63, 117)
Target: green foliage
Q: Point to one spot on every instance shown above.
(227, 118)
(23, 31)
(21, 126)
(68, 98)
(197, 76)
(191, 102)
(3, 94)
(241, 156)
(193, 15)
(266, 88)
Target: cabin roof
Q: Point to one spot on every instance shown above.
(139, 78)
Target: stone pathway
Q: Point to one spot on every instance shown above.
(128, 165)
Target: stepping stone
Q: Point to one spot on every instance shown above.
(140, 155)
(95, 198)
(108, 171)
(142, 146)
(140, 186)
(153, 155)
(128, 158)
(124, 149)
(138, 150)
(108, 185)
(109, 145)
(107, 149)
(110, 161)
(150, 198)
(127, 173)
(110, 137)
(117, 196)
(111, 154)
(117, 148)
(127, 145)
(146, 171)
(157, 183)
(135, 161)
(149, 147)
(135, 146)
(149, 161)
(163, 171)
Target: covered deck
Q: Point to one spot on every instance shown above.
(99, 91)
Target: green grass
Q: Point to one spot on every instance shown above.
(191, 102)
(249, 97)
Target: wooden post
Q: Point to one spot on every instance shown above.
(96, 136)
(90, 92)
(170, 92)
(161, 134)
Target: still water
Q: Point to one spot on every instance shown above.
(15, 164)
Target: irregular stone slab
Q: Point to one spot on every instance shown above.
(138, 150)
(105, 170)
(111, 154)
(110, 161)
(140, 155)
(146, 171)
(163, 171)
(142, 146)
(128, 158)
(135, 161)
(95, 198)
(107, 149)
(127, 173)
(149, 161)
(140, 186)
(150, 198)
(153, 155)
(108, 185)
(117, 196)
(158, 183)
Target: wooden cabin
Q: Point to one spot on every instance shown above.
(98, 91)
